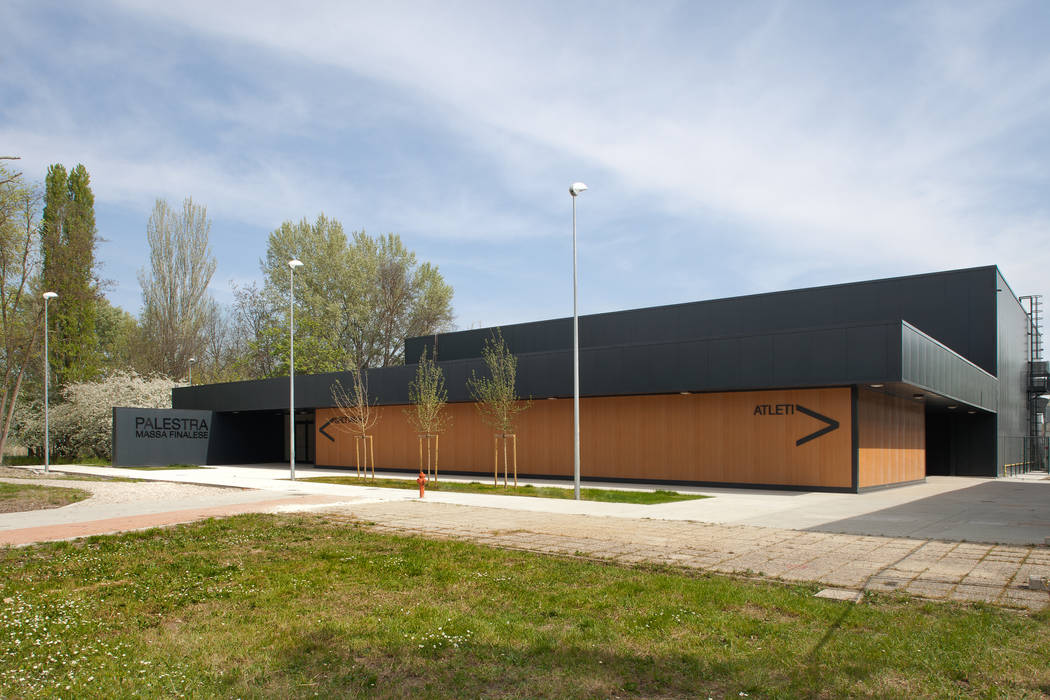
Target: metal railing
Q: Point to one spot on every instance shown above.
(1026, 454)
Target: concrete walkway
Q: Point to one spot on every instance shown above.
(996, 574)
(949, 538)
(997, 511)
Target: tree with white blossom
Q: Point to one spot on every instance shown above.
(82, 425)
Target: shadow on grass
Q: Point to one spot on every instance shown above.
(333, 663)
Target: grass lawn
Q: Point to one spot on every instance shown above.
(59, 476)
(607, 495)
(55, 459)
(16, 498)
(294, 606)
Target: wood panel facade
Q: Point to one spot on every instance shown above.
(747, 437)
(891, 439)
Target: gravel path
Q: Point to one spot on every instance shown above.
(119, 506)
(113, 492)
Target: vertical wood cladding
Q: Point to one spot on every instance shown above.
(738, 437)
(892, 439)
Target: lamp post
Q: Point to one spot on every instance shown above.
(48, 296)
(292, 264)
(574, 190)
(193, 361)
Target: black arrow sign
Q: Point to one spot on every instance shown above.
(832, 424)
(330, 421)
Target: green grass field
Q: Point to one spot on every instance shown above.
(606, 495)
(17, 498)
(55, 459)
(13, 473)
(281, 606)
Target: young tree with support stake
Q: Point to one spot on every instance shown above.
(497, 399)
(359, 416)
(428, 394)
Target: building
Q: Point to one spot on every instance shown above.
(845, 388)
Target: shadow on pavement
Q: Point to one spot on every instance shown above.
(999, 512)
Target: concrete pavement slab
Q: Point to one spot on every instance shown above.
(1013, 511)
(692, 534)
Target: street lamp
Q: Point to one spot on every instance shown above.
(292, 264)
(48, 296)
(574, 190)
(193, 361)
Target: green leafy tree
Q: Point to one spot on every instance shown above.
(68, 242)
(20, 305)
(402, 298)
(321, 287)
(251, 319)
(355, 299)
(118, 334)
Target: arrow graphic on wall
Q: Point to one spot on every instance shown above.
(322, 431)
(832, 424)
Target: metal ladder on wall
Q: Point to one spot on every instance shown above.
(1035, 453)
(1034, 302)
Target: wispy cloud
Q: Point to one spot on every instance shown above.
(774, 144)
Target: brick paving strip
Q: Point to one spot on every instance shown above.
(935, 569)
(106, 526)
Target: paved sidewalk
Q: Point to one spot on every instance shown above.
(121, 506)
(920, 539)
(126, 523)
(958, 571)
(998, 511)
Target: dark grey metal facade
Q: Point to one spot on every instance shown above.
(932, 367)
(958, 308)
(954, 339)
(1012, 343)
(830, 356)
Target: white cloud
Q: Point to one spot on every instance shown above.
(889, 143)
(746, 136)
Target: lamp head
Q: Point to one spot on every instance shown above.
(294, 263)
(49, 295)
(576, 187)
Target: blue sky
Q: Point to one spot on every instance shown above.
(730, 148)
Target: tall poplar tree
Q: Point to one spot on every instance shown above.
(68, 242)
(176, 307)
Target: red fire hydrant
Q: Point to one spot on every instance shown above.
(422, 481)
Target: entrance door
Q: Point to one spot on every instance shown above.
(304, 439)
(938, 446)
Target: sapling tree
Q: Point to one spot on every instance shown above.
(428, 396)
(496, 397)
(359, 414)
